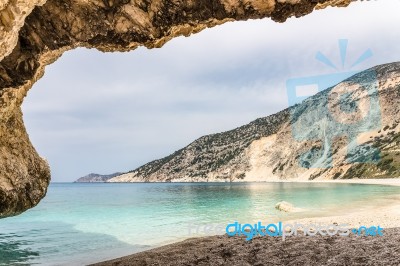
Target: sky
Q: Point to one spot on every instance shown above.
(95, 112)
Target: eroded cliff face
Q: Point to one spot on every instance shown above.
(34, 33)
(319, 138)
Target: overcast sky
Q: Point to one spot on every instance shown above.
(103, 113)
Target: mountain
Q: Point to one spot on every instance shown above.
(92, 178)
(350, 130)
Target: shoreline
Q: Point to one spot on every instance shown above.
(374, 181)
(386, 215)
(386, 181)
(360, 181)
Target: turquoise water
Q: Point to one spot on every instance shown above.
(77, 224)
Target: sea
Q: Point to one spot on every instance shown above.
(82, 223)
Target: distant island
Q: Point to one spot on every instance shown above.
(96, 178)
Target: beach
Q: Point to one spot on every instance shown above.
(319, 250)
(382, 181)
(387, 182)
(295, 250)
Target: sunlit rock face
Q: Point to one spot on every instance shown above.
(34, 33)
(12, 16)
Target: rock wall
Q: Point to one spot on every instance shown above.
(34, 33)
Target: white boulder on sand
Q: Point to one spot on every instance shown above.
(284, 206)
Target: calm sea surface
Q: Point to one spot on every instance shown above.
(76, 224)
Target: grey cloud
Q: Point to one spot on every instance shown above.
(95, 112)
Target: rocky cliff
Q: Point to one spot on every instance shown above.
(348, 131)
(35, 33)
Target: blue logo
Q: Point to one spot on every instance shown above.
(336, 112)
(284, 230)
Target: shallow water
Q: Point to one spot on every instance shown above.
(84, 223)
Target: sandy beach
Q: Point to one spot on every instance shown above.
(299, 250)
(388, 182)
(388, 216)
(383, 181)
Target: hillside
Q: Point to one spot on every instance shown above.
(350, 130)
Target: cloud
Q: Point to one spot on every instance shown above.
(96, 112)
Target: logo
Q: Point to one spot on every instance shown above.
(342, 111)
(284, 230)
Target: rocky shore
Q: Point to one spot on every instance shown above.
(300, 250)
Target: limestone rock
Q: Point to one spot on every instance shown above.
(284, 206)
